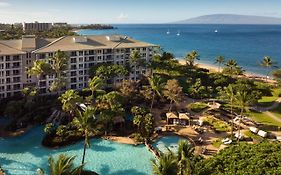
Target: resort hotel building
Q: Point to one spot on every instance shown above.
(16, 56)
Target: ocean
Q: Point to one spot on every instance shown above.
(247, 44)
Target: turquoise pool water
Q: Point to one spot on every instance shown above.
(170, 142)
(23, 155)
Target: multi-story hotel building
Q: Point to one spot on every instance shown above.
(16, 56)
(37, 26)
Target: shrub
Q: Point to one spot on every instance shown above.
(197, 107)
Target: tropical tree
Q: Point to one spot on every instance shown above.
(184, 158)
(242, 100)
(173, 92)
(69, 100)
(95, 85)
(156, 85)
(191, 57)
(277, 74)
(85, 122)
(135, 57)
(39, 68)
(165, 165)
(110, 106)
(59, 64)
(267, 63)
(228, 95)
(143, 120)
(136, 60)
(219, 60)
(64, 166)
(232, 68)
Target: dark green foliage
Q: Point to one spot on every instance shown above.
(107, 71)
(243, 159)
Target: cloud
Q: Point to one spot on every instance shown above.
(122, 17)
(4, 4)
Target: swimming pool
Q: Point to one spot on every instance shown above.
(24, 154)
(170, 142)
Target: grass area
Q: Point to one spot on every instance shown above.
(217, 143)
(219, 125)
(253, 136)
(263, 118)
(197, 107)
(277, 111)
(269, 100)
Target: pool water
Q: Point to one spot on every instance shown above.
(167, 142)
(24, 154)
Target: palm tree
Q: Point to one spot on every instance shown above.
(228, 95)
(95, 85)
(219, 60)
(59, 64)
(166, 165)
(268, 64)
(64, 166)
(85, 122)
(232, 67)
(242, 100)
(185, 153)
(191, 57)
(156, 85)
(134, 60)
(39, 68)
(69, 100)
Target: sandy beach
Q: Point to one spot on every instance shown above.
(215, 68)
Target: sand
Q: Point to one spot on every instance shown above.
(123, 140)
(215, 68)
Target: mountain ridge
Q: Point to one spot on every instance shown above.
(231, 19)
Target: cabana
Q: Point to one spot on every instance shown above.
(183, 118)
(254, 129)
(262, 133)
(172, 118)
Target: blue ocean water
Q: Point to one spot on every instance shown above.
(248, 44)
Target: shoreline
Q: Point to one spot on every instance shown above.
(214, 68)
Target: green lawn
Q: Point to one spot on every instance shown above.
(277, 111)
(197, 107)
(263, 118)
(219, 125)
(268, 100)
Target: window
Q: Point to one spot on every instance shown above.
(8, 58)
(73, 80)
(73, 60)
(73, 54)
(73, 86)
(73, 73)
(73, 67)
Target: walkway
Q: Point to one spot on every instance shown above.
(266, 110)
(273, 116)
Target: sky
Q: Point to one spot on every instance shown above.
(129, 11)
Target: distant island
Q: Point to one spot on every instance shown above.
(231, 19)
(93, 26)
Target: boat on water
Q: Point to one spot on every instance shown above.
(216, 31)
(178, 34)
(168, 32)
